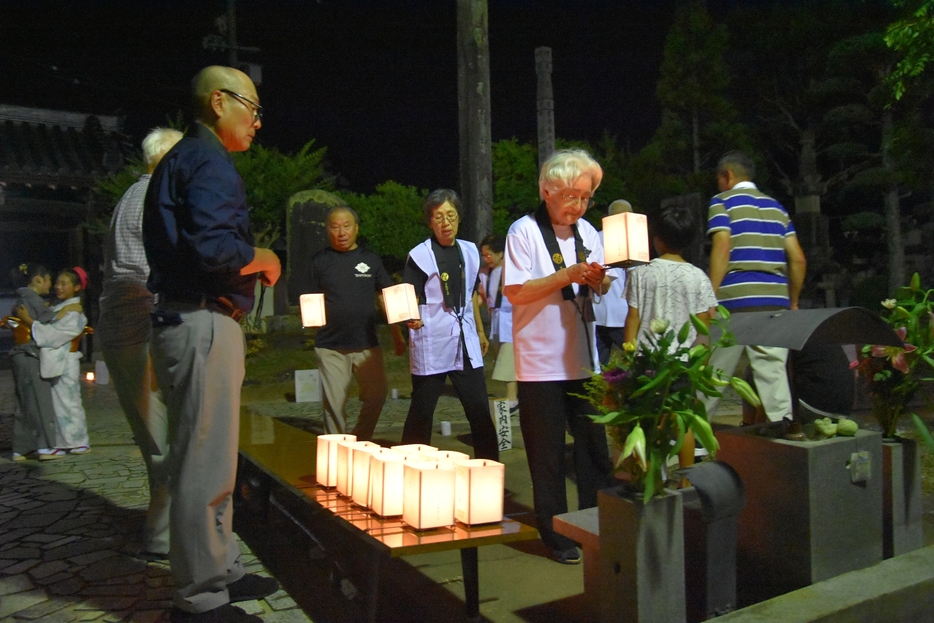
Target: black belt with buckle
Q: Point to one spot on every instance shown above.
(219, 304)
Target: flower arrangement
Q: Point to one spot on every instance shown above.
(649, 397)
(895, 374)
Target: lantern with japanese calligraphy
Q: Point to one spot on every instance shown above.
(401, 303)
(479, 491)
(326, 471)
(345, 458)
(428, 495)
(625, 240)
(312, 310)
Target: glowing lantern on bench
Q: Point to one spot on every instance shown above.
(361, 473)
(312, 310)
(625, 240)
(479, 491)
(326, 471)
(446, 457)
(413, 449)
(401, 303)
(345, 458)
(387, 477)
(429, 495)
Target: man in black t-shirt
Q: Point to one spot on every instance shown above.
(347, 347)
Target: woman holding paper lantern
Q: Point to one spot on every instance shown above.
(447, 342)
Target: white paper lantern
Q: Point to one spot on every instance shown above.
(345, 458)
(413, 448)
(312, 310)
(387, 478)
(625, 240)
(326, 470)
(361, 473)
(428, 495)
(448, 457)
(401, 303)
(479, 491)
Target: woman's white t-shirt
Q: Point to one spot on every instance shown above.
(551, 341)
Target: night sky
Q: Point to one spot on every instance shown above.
(373, 81)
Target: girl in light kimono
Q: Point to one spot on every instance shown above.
(34, 423)
(59, 360)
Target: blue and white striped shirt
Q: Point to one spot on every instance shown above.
(757, 272)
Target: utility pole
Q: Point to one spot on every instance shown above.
(232, 33)
(545, 105)
(473, 89)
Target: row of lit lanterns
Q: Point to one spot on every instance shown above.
(427, 487)
(625, 244)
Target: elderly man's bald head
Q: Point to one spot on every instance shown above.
(216, 78)
(225, 101)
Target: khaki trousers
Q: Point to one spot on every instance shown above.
(199, 366)
(338, 368)
(768, 368)
(130, 369)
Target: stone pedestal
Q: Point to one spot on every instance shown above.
(641, 558)
(584, 527)
(901, 497)
(806, 520)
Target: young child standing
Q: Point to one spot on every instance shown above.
(668, 287)
(59, 360)
(34, 424)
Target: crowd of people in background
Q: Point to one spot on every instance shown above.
(180, 270)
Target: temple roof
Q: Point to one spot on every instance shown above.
(51, 148)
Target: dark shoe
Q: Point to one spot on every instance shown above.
(571, 556)
(221, 614)
(251, 586)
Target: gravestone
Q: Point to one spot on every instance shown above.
(306, 235)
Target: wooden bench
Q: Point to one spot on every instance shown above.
(286, 455)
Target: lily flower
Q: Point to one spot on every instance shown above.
(894, 354)
(659, 325)
(889, 303)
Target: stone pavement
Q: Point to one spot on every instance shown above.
(68, 529)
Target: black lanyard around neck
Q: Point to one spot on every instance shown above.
(452, 300)
(551, 243)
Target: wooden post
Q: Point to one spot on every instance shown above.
(473, 87)
(546, 105)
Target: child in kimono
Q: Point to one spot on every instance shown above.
(34, 423)
(59, 360)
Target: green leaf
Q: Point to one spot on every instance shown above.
(923, 431)
(606, 418)
(699, 325)
(745, 391)
(651, 384)
(704, 433)
(684, 333)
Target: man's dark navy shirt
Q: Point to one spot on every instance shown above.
(196, 227)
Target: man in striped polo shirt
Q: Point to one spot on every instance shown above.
(756, 264)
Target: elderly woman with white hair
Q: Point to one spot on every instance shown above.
(553, 257)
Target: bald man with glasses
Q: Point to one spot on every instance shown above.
(204, 268)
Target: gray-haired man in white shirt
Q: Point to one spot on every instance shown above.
(123, 332)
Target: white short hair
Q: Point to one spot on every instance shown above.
(157, 142)
(565, 166)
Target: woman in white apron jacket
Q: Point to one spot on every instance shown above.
(447, 342)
